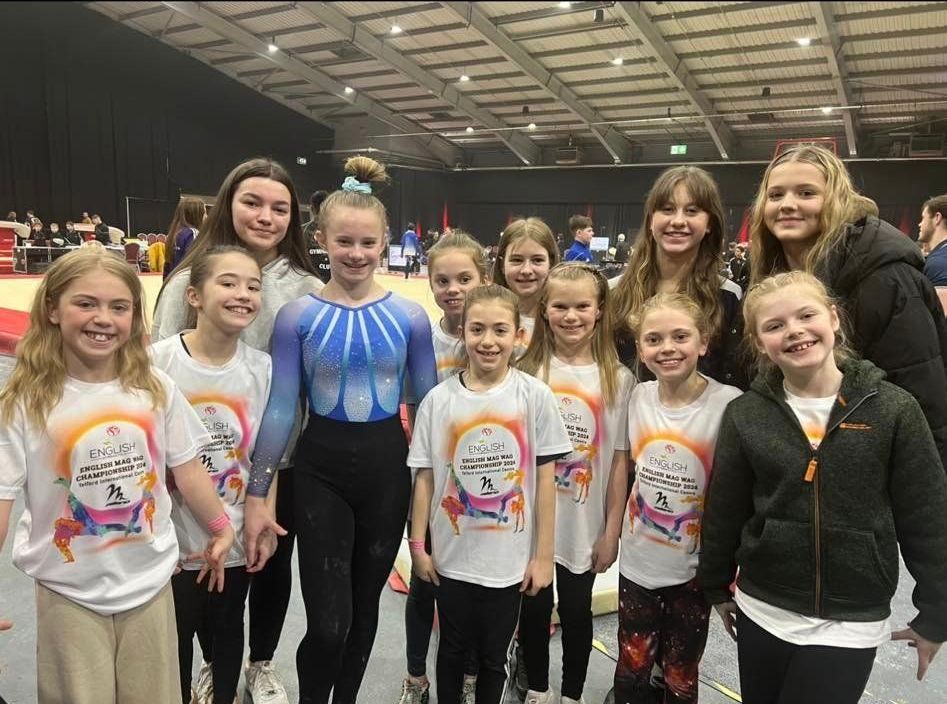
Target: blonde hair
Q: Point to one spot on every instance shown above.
(841, 205)
(462, 242)
(772, 284)
(363, 170)
(524, 229)
(39, 376)
(677, 301)
(640, 280)
(542, 344)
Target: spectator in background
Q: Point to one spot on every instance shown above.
(932, 233)
(11, 216)
(410, 248)
(101, 231)
(30, 217)
(185, 224)
(621, 250)
(582, 232)
(55, 236)
(38, 236)
(71, 237)
(740, 266)
(86, 220)
(318, 255)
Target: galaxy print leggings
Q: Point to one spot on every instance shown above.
(667, 624)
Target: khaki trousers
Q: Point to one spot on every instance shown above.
(85, 658)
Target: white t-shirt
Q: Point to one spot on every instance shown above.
(813, 415)
(448, 353)
(582, 476)
(97, 523)
(230, 401)
(673, 451)
(482, 446)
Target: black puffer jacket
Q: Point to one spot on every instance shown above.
(894, 315)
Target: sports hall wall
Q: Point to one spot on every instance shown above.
(483, 201)
(92, 111)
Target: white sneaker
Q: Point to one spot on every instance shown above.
(263, 683)
(568, 700)
(203, 690)
(534, 697)
(469, 693)
(414, 692)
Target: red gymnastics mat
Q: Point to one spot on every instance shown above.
(13, 324)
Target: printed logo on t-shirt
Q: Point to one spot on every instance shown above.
(105, 466)
(668, 501)
(581, 414)
(487, 476)
(225, 458)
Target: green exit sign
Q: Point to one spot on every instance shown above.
(678, 149)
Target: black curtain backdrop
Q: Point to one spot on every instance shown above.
(93, 111)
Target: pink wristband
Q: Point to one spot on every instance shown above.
(416, 545)
(218, 525)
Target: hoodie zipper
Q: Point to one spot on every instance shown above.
(811, 477)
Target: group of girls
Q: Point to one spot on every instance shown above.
(537, 456)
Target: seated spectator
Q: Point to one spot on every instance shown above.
(55, 236)
(38, 237)
(86, 220)
(30, 217)
(101, 231)
(11, 216)
(71, 236)
(188, 218)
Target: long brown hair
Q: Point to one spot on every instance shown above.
(218, 228)
(525, 228)
(39, 376)
(841, 205)
(536, 359)
(190, 212)
(639, 281)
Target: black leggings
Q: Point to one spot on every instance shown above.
(271, 587)
(773, 671)
(575, 615)
(217, 618)
(419, 621)
(352, 490)
(480, 619)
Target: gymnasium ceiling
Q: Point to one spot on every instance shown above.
(521, 82)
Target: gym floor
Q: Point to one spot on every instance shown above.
(892, 681)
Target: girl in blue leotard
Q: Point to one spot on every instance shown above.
(349, 348)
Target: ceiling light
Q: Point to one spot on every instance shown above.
(826, 111)
(469, 130)
(349, 90)
(531, 126)
(565, 5)
(464, 78)
(395, 29)
(803, 41)
(618, 61)
(272, 48)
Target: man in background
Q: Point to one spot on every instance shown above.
(932, 232)
(582, 232)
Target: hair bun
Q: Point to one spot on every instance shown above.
(366, 170)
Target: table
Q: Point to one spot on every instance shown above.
(35, 260)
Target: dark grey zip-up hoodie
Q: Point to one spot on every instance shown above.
(817, 531)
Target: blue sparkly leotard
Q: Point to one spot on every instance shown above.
(352, 361)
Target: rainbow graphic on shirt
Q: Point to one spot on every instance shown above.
(489, 474)
(582, 415)
(667, 500)
(106, 466)
(226, 458)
